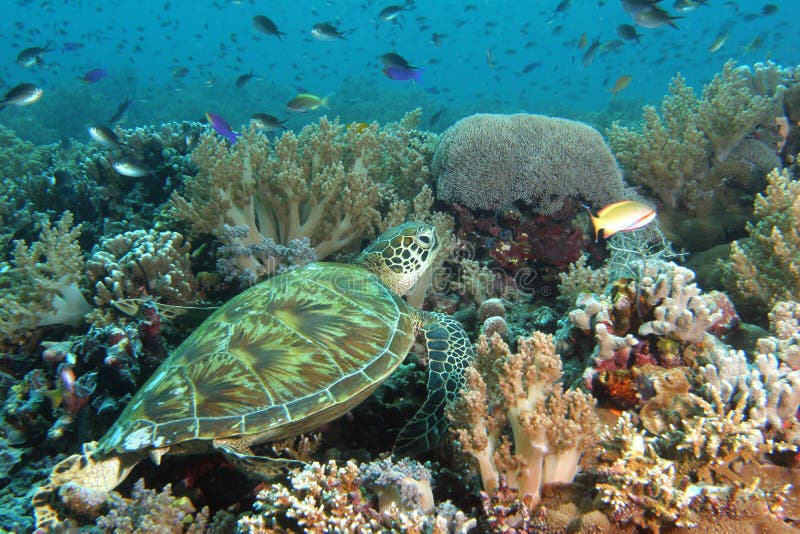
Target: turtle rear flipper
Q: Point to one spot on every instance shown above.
(449, 354)
(95, 475)
(239, 454)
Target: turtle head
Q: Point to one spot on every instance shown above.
(401, 254)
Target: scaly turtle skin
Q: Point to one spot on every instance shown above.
(282, 358)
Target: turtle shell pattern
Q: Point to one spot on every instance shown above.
(282, 357)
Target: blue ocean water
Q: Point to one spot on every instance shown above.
(178, 59)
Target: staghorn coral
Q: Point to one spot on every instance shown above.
(680, 311)
(537, 159)
(142, 264)
(661, 304)
(325, 184)
(550, 428)
(765, 267)
(325, 498)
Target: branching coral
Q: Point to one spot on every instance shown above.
(151, 511)
(325, 498)
(550, 428)
(325, 184)
(765, 267)
(532, 158)
(688, 460)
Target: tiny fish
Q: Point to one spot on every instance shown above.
(303, 102)
(628, 32)
(436, 117)
(222, 127)
(685, 6)
(265, 25)
(719, 41)
(122, 109)
(621, 83)
(33, 56)
(390, 13)
(23, 94)
(591, 52)
(358, 127)
(94, 75)
(242, 80)
(130, 167)
(268, 123)
(104, 136)
(324, 31)
(583, 40)
(390, 59)
(179, 72)
(530, 67)
(622, 216)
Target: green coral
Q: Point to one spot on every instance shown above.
(679, 150)
(765, 267)
(39, 285)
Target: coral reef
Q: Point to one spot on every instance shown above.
(551, 429)
(141, 264)
(532, 158)
(649, 320)
(679, 154)
(146, 511)
(325, 184)
(40, 286)
(329, 498)
(765, 267)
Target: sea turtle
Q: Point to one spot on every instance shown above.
(281, 358)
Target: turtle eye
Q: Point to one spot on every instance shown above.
(426, 239)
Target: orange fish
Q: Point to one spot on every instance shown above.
(622, 216)
(621, 83)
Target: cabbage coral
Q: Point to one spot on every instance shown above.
(487, 161)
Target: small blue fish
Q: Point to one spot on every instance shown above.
(95, 75)
(401, 73)
(222, 127)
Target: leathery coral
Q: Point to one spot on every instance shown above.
(550, 429)
(41, 287)
(678, 154)
(325, 184)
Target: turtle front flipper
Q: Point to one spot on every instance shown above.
(98, 476)
(449, 353)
